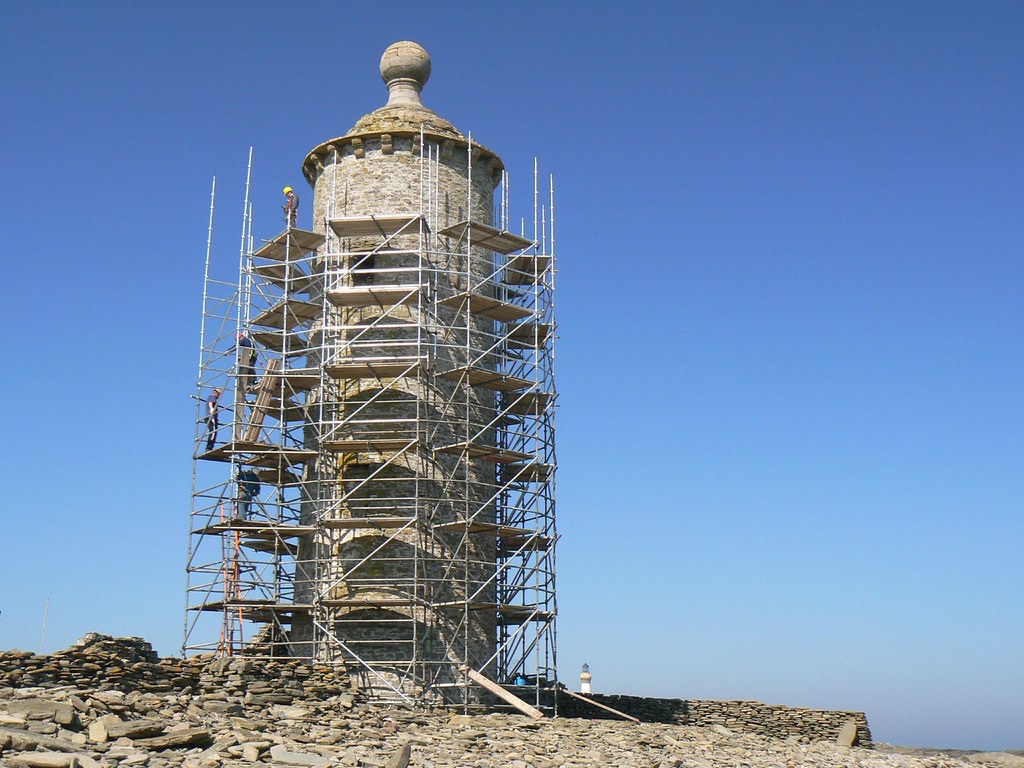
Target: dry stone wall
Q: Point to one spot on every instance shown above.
(771, 720)
(130, 665)
(103, 663)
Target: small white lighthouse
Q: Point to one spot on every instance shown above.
(585, 679)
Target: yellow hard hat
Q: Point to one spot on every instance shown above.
(286, 190)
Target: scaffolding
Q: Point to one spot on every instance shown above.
(374, 485)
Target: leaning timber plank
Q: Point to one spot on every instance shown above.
(501, 693)
(599, 706)
(259, 411)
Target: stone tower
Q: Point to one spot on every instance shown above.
(408, 347)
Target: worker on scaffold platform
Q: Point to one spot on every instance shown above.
(290, 207)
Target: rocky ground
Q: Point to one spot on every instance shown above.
(109, 702)
(67, 727)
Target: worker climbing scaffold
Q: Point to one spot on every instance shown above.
(212, 418)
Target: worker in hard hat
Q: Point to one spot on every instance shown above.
(290, 207)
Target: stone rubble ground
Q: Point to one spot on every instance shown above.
(66, 727)
(109, 702)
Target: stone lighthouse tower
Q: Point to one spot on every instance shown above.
(404, 422)
(414, 448)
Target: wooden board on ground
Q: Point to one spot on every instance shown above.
(599, 706)
(502, 694)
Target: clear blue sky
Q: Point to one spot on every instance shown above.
(790, 312)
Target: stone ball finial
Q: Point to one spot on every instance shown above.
(405, 67)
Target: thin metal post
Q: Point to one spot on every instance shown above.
(197, 432)
(42, 634)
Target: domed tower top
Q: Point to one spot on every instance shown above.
(405, 68)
